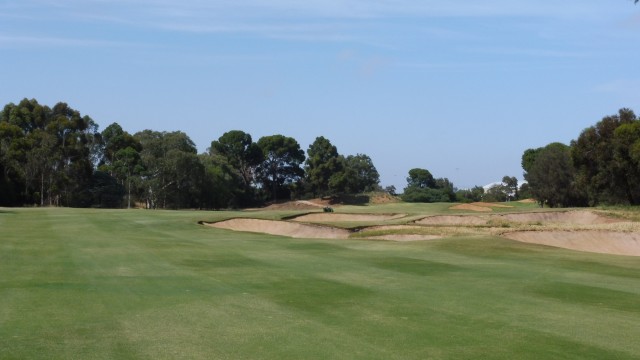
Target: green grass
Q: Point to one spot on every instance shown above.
(104, 284)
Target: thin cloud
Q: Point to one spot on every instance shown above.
(12, 40)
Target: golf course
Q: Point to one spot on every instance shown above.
(399, 281)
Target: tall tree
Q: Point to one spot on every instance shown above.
(423, 187)
(358, 175)
(241, 156)
(420, 178)
(281, 166)
(510, 184)
(173, 175)
(323, 161)
(599, 172)
(127, 164)
(62, 140)
(551, 177)
(121, 157)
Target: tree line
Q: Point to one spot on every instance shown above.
(600, 167)
(58, 157)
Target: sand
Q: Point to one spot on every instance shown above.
(605, 242)
(561, 217)
(453, 220)
(404, 237)
(337, 217)
(282, 228)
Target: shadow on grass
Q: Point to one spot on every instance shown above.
(590, 295)
(314, 294)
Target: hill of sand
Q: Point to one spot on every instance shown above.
(606, 242)
(282, 228)
(337, 217)
(562, 217)
(452, 220)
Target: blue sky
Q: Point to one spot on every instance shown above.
(461, 88)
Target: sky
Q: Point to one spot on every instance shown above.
(461, 88)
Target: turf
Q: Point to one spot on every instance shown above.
(102, 284)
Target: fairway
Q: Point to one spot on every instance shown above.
(136, 284)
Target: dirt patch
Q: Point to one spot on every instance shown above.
(471, 207)
(563, 217)
(527, 201)
(383, 198)
(392, 227)
(453, 220)
(282, 228)
(404, 237)
(605, 242)
(335, 217)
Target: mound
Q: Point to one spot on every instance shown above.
(382, 198)
(605, 242)
(452, 220)
(564, 217)
(335, 217)
(392, 227)
(471, 207)
(405, 237)
(295, 205)
(527, 201)
(282, 228)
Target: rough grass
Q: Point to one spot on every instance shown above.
(104, 284)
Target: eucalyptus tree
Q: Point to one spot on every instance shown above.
(47, 151)
(241, 156)
(121, 157)
(281, 166)
(323, 161)
(602, 169)
(552, 177)
(358, 175)
(173, 173)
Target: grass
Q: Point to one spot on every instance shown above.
(133, 284)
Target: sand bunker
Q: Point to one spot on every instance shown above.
(404, 237)
(558, 217)
(282, 228)
(335, 217)
(296, 205)
(607, 242)
(452, 220)
(392, 227)
(564, 217)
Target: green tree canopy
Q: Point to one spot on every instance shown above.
(323, 161)
(173, 176)
(241, 156)
(420, 178)
(357, 175)
(551, 177)
(602, 169)
(423, 187)
(45, 154)
(281, 166)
